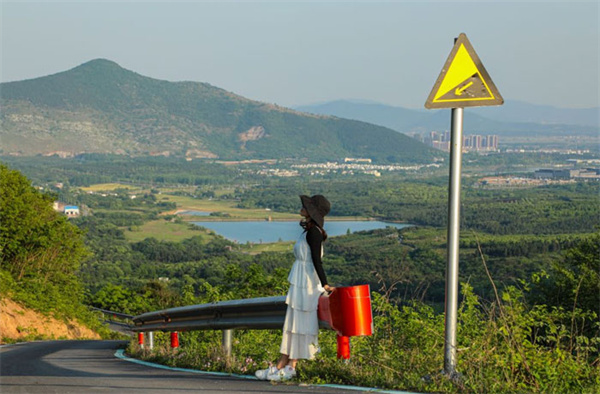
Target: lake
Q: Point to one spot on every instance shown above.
(266, 232)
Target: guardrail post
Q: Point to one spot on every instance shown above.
(141, 339)
(343, 347)
(227, 335)
(174, 340)
(150, 340)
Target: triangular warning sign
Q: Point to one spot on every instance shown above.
(463, 82)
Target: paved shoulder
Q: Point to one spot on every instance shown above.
(91, 367)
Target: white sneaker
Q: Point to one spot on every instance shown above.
(262, 374)
(281, 375)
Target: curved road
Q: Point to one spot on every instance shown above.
(91, 367)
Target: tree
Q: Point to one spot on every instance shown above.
(39, 248)
(575, 280)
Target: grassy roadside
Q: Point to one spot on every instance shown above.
(405, 351)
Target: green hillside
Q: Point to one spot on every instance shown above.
(101, 107)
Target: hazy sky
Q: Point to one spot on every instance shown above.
(294, 53)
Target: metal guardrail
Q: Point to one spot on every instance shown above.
(256, 313)
(117, 321)
(112, 313)
(348, 309)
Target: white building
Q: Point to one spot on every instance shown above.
(71, 210)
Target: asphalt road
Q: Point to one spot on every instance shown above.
(91, 367)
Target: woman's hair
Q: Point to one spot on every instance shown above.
(309, 223)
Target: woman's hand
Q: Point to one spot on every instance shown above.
(328, 288)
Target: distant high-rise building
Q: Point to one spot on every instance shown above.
(446, 136)
(433, 136)
(494, 143)
(480, 143)
(470, 143)
(478, 140)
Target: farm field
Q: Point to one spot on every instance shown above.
(108, 187)
(164, 230)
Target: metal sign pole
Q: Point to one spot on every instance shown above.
(453, 238)
(463, 82)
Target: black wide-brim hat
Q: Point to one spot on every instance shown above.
(317, 207)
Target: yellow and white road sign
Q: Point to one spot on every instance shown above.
(463, 82)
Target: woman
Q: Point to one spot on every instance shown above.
(307, 283)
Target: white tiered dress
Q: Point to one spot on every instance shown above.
(301, 327)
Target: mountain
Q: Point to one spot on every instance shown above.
(512, 118)
(521, 112)
(102, 107)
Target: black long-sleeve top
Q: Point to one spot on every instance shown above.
(314, 237)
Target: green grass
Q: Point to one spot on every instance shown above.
(107, 187)
(166, 231)
(270, 247)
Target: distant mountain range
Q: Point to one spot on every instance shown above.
(513, 117)
(104, 108)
